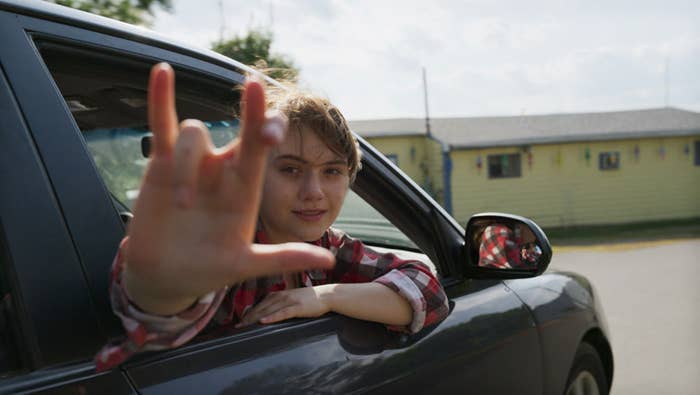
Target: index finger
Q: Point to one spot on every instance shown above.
(162, 116)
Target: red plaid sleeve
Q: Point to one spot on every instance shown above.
(412, 279)
(148, 332)
(498, 248)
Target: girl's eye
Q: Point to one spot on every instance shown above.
(289, 170)
(334, 171)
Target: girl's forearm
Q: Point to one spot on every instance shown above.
(368, 301)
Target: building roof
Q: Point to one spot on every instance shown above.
(481, 132)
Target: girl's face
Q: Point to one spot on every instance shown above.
(304, 188)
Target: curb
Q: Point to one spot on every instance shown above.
(624, 246)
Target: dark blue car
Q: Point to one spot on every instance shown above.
(73, 146)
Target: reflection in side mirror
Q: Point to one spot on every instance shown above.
(506, 242)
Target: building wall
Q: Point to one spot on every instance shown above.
(419, 157)
(563, 188)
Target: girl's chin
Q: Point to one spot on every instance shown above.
(313, 235)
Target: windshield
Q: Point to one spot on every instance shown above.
(118, 155)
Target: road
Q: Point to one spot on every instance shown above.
(651, 296)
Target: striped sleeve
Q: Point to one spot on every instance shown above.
(411, 278)
(149, 332)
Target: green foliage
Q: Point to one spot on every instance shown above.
(253, 49)
(136, 12)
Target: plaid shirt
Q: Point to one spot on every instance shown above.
(355, 263)
(499, 248)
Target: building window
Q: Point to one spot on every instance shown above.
(504, 165)
(697, 153)
(394, 158)
(609, 160)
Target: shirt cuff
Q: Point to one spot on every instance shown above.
(148, 332)
(406, 287)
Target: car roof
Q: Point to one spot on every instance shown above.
(53, 12)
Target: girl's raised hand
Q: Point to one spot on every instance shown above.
(196, 213)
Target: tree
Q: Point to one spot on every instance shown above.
(137, 12)
(253, 49)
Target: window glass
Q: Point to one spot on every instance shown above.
(120, 158)
(697, 153)
(107, 94)
(609, 160)
(504, 165)
(362, 221)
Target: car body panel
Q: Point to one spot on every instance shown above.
(565, 308)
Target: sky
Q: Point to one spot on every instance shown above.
(482, 57)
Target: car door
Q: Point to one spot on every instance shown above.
(49, 328)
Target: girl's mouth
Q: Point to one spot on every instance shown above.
(309, 215)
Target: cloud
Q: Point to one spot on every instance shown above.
(482, 57)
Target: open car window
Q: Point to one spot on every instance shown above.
(359, 219)
(107, 96)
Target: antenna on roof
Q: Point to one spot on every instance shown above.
(425, 96)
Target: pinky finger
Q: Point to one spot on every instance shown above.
(279, 315)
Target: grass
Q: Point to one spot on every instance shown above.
(624, 233)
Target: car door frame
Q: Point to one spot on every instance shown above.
(56, 325)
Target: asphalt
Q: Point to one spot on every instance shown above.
(651, 297)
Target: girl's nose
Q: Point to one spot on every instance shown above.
(311, 187)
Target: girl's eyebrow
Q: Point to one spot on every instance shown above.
(304, 161)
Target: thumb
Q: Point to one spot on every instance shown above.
(269, 259)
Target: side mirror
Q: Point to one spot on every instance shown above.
(499, 245)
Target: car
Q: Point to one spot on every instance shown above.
(75, 141)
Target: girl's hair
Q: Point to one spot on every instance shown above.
(317, 114)
(305, 111)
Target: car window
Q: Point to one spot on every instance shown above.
(119, 154)
(107, 97)
(359, 219)
(106, 94)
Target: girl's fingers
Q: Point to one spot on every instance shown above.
(272, 259)
(280, 315)
(258, 312)
(192, 145)
(162, 116)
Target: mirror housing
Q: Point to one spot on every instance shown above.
(505, 246)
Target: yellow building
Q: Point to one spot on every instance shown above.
(560, 170)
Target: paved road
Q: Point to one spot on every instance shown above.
(651, 297)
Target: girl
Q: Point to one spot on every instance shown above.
(188, 261)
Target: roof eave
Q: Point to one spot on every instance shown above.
(575, 139)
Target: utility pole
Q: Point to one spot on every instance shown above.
(272, 16)
(425, 96)
(222, 21)
(666, 78)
